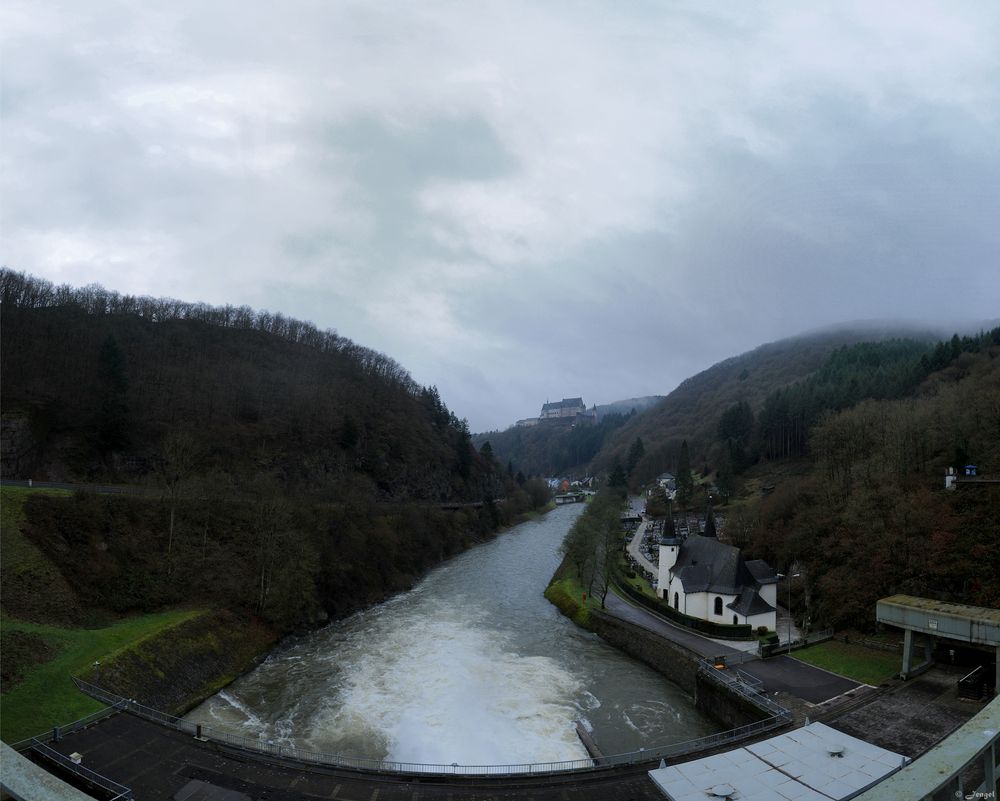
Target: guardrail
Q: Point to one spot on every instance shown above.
(285, 751)
(57, 732)
(94, 779)
(973, 686)
(777, 648)
(720, 670)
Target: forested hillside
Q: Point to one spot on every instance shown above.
(108, 386)
(838, 477)
(275, 468)
(552, 448)
(693, 410)
(871, 517)
(556, 448)
(626, 407)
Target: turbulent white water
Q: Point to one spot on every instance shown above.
(473, 666)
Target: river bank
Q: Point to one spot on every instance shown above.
(177, 669)
(169, 659)
(472, 666)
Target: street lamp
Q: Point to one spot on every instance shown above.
(789, 632)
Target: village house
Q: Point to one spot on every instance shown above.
(705, 578)
(668, 484)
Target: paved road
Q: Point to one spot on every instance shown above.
(779, 673)
(702, 646)
(797, 678)
(98, 488)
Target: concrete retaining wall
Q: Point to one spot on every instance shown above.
(668, 658)
(724, 706)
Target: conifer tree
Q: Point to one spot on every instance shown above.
(617, 477)
(635, 453)
(685, 484)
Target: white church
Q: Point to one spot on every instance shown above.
(705, 578)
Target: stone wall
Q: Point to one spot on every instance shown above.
(668, 658)
(724, 705)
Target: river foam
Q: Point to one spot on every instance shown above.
(472, 667)
(441, 688)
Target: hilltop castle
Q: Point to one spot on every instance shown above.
(568, 411)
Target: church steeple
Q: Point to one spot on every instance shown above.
(710, 525)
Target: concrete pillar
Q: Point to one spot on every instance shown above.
(989, 770)
(907, 654)
(996, 685)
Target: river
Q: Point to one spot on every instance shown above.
(472, 666)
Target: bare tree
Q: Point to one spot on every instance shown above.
(180, 455)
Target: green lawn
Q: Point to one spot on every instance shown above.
(47, 697)
(44, 656)
(866, 665)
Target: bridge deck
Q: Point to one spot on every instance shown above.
(155, 762)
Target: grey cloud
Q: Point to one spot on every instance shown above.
(515, 201)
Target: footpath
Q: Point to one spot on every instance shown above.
(635, 551)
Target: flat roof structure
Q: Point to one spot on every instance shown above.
(977, 625)
(973, 624)
(813, 763)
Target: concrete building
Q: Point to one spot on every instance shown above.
(933, 620)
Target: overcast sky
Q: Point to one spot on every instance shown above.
(516, 201)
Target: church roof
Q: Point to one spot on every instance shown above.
(704, 564)
(762, 571)
(694, 578)
(749, 603)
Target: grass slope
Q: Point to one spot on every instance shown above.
(33, 587)
(46, 697)
(39, 648)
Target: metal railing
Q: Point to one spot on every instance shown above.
(973, 686)
(779, 716)
(743, 684)
(58, 732)
(775, 649)
(94, 779)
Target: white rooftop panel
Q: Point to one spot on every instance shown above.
(814, 763)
